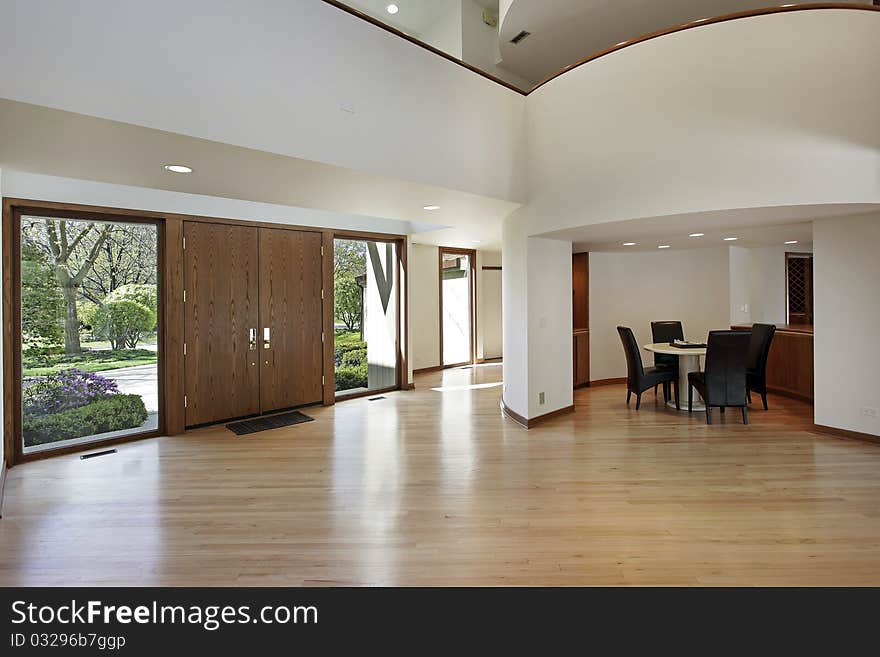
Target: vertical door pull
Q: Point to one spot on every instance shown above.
(267, 338)
(252, 339)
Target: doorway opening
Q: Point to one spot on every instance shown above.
(366, 318)
(457, 303)
(87, 329)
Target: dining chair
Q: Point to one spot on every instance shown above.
(756, 367)
(638, 377)
(722, 382)
(666, 332)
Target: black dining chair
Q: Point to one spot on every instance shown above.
(756, 366)
(640, 378)
(666, 332)
(722, 382)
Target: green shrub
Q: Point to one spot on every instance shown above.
(123, 322)
(339, 351)
(354, 358)
(112, 413)
(145, 294)
(351, 377)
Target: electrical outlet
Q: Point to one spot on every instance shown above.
(867, 411)
(541, 398)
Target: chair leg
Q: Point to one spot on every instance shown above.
(708, 414)
(745, 414)
(677, 401)
(629, 395)
(749, 395)
(665, 391)
(690, 398)
(723, 408)
(764, 399)
(638, 400)
(655, 391)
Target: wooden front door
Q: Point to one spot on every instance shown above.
(291, 351)
(221, 319)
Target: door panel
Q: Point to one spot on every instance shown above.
(221, 374)
(291, 362)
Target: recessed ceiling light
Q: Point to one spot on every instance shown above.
(696, 234)
(731, 239)
(476, 242)
(663, 246)
(392, 9)
(178, 168)
(431, 207)
(792, 242)
(629, 243)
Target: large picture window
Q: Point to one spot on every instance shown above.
(89, 330)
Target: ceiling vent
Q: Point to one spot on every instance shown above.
(519, 37)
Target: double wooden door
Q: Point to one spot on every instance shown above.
(252, 321)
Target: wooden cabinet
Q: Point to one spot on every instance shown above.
(580, 314)
(790, 362)
(581, 357)
(252, 320)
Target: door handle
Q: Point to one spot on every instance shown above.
(267, 334)
(252, 339)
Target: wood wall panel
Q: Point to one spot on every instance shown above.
(291, 310)
(581, 358)
(221, 282)
(790, 364)
(329, 330)
(580, 290)
(173, 309)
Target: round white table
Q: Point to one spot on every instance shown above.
(688, 361)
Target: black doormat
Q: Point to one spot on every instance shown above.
(270, 422)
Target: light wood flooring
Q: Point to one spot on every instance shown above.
(435, 487)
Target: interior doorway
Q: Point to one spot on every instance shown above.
(457, 303)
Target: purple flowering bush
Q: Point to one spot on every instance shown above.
(73, 404)
(68, 389)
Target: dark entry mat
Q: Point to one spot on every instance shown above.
(270, 422)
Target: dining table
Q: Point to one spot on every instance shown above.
(688, 361)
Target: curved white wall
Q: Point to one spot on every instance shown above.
(765, 111)
(772, 110)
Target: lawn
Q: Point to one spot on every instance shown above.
(344, 337)
(88, 361)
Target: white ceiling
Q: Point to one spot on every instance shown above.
(413, 17)
(564, 32)
(754, 227)
(41, 140)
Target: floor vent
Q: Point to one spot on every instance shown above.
(94, 454)
(375, 398)
(268, 422)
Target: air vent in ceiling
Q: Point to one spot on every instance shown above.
(519, 37)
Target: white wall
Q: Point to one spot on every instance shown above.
(846, 279)
(634, 289)
(702, 123)
(549, 325)
(767, 282)
(479, 45)
(274, 79)
(424, 275)
(446, 33)
(489, 323)
(424, 328)
(740, 285)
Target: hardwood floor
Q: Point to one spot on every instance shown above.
(434, 487)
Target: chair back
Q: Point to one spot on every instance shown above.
(759, 348)
(725, 372)
(666, 332)
(634, 368)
